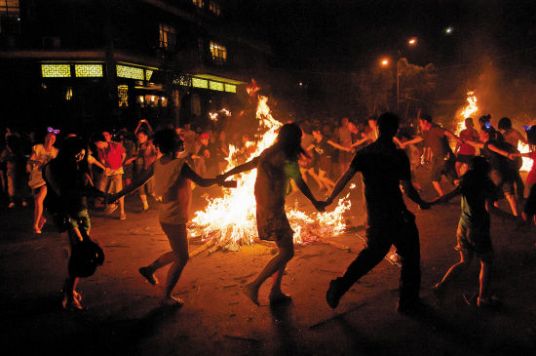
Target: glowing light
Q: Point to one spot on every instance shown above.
(199, 83)
(527, 162)
(215, 86)
(384, 62)
(148, 74)
(449, 30)
(55, 70)
(88, 70)
(218, 52)
(230, 88)
(231, 218)
(412, 41)
(129, 72)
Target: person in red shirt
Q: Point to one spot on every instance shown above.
(112, 155)
(464, 151)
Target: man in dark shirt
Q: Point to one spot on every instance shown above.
(435, 139)
(384, 168)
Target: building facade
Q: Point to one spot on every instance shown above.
(112, 62)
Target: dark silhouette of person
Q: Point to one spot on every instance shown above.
(384, 168)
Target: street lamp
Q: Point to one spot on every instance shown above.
(386, 62)
(449, 30)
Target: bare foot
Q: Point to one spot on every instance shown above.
(252, 293)
(170, 301)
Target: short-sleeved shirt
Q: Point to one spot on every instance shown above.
(323, 149)
(112, 156)
(475, 191)
(173, 191)
(274, 170)
(436, 140)
(383, 167)
(273, 173)
(465, 148)
(42, 155)
(146, 155)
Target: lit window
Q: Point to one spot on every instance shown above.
(230, 88)
(55, 70)
(69, 94)
(199, 3)
(218, 52)
(88, 70)
(215, 86)
(168, 37)
(148, 74)
(199, 83)
(122, 95)
(214, 7)
(9, 16)
(129, 72)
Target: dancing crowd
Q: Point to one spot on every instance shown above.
(481, 163)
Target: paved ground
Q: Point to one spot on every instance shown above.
(123, 318)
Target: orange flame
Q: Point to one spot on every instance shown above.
(231, 218)
(468, 110)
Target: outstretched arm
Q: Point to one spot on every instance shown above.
(413, 141)
(451, 135)
(134, 185)
(242, 168)
(499, 151)
(475, 144)
(341, 183)
(304, 188)
(189, 173)
(360, 142)
(413, 194)
(445, 198)
(498, 212)
(339, 147)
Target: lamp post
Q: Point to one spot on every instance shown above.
(386, 61)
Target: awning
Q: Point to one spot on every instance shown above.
(218, 79)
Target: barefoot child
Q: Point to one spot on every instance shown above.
(473, 234)
(275, 166)
(172, 178)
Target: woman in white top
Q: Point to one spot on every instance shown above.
(172, 178)
(41, 155)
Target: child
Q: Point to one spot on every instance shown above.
(69, 184)
(473, 234)
(275, 166)
(172, 178)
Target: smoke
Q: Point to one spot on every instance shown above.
(503, 90)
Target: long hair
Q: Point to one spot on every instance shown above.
(289, 141)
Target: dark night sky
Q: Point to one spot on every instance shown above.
(342, 34)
